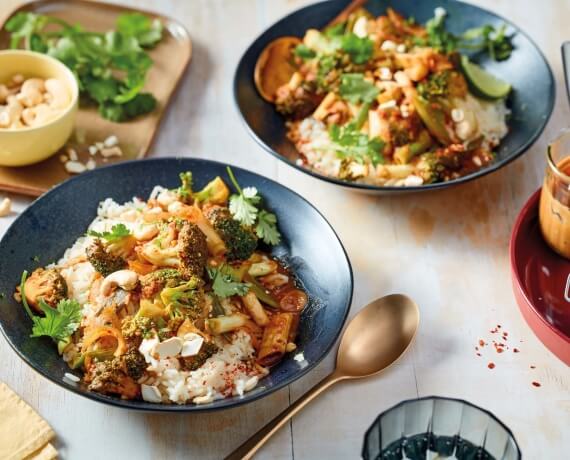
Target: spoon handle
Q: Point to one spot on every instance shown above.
(566, 65)
(248, 449)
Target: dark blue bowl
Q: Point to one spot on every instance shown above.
(54, 221)
(527, 70)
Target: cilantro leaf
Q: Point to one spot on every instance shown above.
(58, 323)
(266, 228)
(117, 232)
(349, 142)
(359, 49)
(224, 284)
(148, 33)
(244, 207)
(354, 88)
(335, 31)
(185, 189)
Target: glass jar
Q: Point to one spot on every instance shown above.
(554, 213)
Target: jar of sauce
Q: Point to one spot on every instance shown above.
(554, 211)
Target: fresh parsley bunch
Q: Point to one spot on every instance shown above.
(111, 67)
(245, 208)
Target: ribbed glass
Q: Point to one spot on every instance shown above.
(438, 428)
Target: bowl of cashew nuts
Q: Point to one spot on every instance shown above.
(38, 104)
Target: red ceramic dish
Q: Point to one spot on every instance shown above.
(541, 282)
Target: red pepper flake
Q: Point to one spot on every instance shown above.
(516, 350)
(476, 348)
(498, 326)
(536, 384)
(505, 333)
(482, 342)
(533, 367)
(491, 365)
(478, 354)
(499, 350)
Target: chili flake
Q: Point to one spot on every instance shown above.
(536, 384)
(491, 365)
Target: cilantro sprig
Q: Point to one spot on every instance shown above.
(111, 67)
(245, 208)
(348, 142)
(117, 232)
(486, 38)
(58, 323)
(224, 284)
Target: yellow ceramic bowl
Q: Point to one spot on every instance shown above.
(19, 147)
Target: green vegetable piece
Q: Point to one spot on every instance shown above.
(266, 228)
(483, 82)
(304, 52)
(147, 33)
(354, 88)
(117, 232)
(349, 142)
(433, 118)
(260, 292)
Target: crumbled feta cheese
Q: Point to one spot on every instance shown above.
(5, 207)
(439, 12)
(150, 393)
(75, 167)
(192, 344)
(71, 377)
(168, 348)
(388, 45)
(387, 105)
(93, 150)
(111, 141)
(299, 357)
(90, 165)
(147, 346)
(457, 115)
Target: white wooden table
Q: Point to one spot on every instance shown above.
(448, 250)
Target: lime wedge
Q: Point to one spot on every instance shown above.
(484, 82)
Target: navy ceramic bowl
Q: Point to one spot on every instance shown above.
(54, 221)
(527, 70)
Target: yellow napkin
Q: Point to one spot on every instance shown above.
(24, 435)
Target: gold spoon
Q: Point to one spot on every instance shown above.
(274, 67)
(375, 338)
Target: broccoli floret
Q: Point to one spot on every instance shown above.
(156, 281)
(104, 262)
(240, 240)
(46, 284)
(429, 168)
(189, 254)
(352, 170)
(192, 249)
(192, 363)
(185, 300)
(136, 328)
(216, 192)
(119, 241)
(134, 363)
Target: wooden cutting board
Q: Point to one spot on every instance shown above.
(171, 58)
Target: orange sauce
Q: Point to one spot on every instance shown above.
(554, 211)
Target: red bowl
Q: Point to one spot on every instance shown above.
(541, 282)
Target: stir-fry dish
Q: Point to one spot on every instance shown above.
(389, 102)
(171, 300)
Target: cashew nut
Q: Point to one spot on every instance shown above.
(125, 279)
(5, 207)
(4, 93)
(32, 84)
(30, 97)
(58, 92)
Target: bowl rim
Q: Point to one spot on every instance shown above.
(404, 189)
(70, 78)
(528, 208)
(438, 398)
(225, 403)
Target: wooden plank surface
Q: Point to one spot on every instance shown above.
(447, 249)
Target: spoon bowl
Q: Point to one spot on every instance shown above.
(375, 339)
(377, 336)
